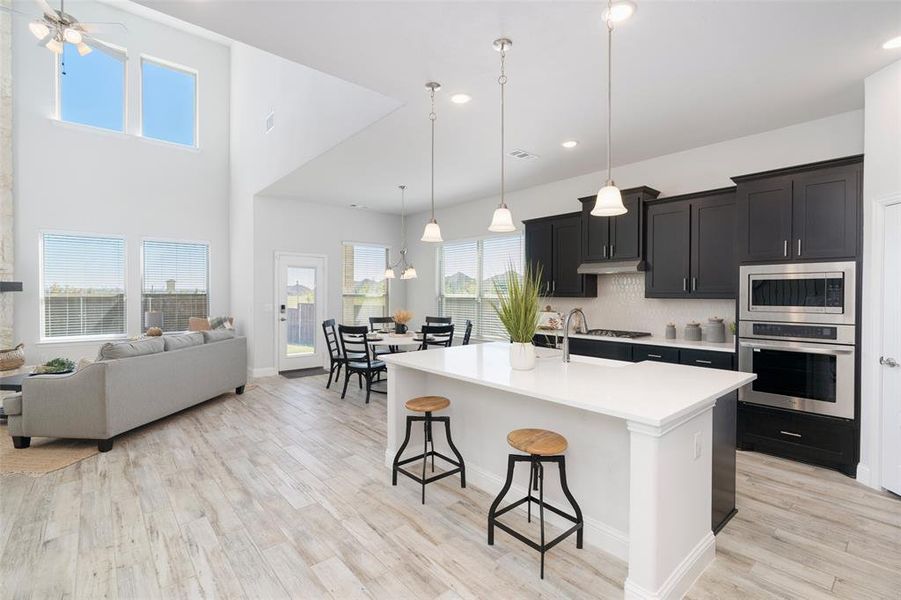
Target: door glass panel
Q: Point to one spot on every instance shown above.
(300, 311)
(797, 374)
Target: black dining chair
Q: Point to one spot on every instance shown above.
(382, 324)
(436, 336)
(438, 320)
(359, 359)
(336, 357)
(467, 332)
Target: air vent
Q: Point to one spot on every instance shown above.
(522, 155)
(270, 122)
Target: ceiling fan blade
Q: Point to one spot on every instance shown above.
(98, 26)
(104, 47)
(47, 9)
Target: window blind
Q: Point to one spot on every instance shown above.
(364, 287)
(175, 282)
(83, 286)
(467, 273)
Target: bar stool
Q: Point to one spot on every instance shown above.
(428, 405)
(542, 446)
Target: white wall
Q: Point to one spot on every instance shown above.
(288, 225)
(698, 169)
(313, 112)
(78, 179)
(881, 185)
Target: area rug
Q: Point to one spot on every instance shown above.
(44, 456)
(296, 373)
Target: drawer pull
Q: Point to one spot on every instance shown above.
(791, 433)
(654, 356)
(703, 362)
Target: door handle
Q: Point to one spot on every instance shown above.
(785, 248)
(888, 362)
(802, 349)
(283, 319)
(799, 246)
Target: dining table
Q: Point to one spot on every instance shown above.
(395, 342)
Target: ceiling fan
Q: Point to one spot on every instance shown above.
(55, 28)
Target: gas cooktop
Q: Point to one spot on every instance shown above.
(617, 333)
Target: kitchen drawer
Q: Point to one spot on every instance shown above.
(826, 441)
(655, 353)
(600, 349)
(701, 358)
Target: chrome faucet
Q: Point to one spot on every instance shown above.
(583, 328)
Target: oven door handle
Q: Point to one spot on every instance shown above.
(804, 349)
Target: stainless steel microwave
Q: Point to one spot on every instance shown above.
(798, 292)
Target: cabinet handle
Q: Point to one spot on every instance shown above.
(694, 284)
(703, 362)
(685, 284)
(554, 289)
(612, 250)
(785, 248)
(791, 433)
(799, 246)
(654, 356)
(605, 250)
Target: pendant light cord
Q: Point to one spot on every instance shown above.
(433, 117)
(609, 90)
(502, 80)
(403, 220)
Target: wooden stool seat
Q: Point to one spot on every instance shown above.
(427, 404)
(538, 442)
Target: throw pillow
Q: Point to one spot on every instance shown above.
(117, 350)
(184, 340)
(217, 335)
(221, 323)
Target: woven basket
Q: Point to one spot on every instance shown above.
(12, 358)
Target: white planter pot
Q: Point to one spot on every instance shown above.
(522, 356)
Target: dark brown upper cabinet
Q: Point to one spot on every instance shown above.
(809, 212)
(615, 238)
(555, 245)
(691, 246)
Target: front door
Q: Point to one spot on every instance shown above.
(300, 311)
(891, 352)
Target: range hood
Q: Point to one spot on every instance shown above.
(612, 266)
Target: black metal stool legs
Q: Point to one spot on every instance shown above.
(536, 481)
(428, 450)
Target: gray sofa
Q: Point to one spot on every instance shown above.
(114, 395)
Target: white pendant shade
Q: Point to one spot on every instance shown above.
(83, 49)
(609, 202)
(432, 232)
(389, 273)
(502, 221)
(55, 46)
(39, 29)
(409, 273)
(73, 36)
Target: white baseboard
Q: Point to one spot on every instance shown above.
(598, 534)
(263, 372)
(865, 476)
(682, 577)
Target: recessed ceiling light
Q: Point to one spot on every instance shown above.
(893, 43)
(570, 144)
(461, 98)
(620, 10)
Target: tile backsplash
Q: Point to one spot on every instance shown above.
(621, 305)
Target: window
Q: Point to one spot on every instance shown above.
(92, 89)
(82, 286)
(365, 289)
(168, 103)
(467, 273)
(175, 285)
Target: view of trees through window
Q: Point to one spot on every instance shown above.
(468, 273)
(365, 289)
(300, 310)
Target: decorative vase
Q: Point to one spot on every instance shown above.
(400, 328)
(692, 332)
(522, 356)
(716, 330)
(671, 331)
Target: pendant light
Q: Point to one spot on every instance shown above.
(406, 270)
(502, 220)
(432, 232)
(609, 201)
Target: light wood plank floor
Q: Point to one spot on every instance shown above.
(282, 493)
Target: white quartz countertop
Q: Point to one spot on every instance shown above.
(651, 393)
(652, 340)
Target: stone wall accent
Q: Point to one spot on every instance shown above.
(6, 174)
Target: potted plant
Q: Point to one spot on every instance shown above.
(518, 310)
(401, 318)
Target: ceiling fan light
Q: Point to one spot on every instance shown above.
(619, 11)
(83, 49)
(409, 273)
(431, 233)
(39, 29)
(389, 273)
(609, 202)
(502, 221)
(55, 46)
(73, 36)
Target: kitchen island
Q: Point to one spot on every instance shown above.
(639, 456)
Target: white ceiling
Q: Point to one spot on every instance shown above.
(686, 74)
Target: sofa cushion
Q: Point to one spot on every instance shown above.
(217, 335)
(183, 340)
(12, 404)
(129, 349)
